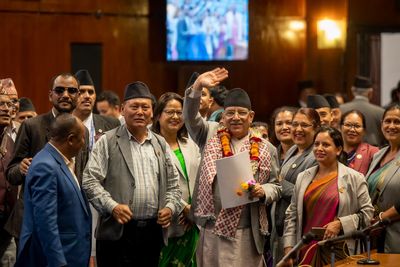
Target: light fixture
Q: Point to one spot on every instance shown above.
(331, 34)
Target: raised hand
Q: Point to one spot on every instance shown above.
(210, 78)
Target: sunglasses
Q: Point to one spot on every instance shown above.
(59, 90)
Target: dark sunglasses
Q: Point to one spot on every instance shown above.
(59, 90)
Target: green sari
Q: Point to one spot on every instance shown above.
(181, 251)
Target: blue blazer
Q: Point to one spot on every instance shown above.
(56, 228)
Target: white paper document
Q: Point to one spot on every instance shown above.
(232, 172)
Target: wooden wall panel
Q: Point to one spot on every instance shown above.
(37, 36)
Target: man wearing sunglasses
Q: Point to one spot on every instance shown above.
(33, 136)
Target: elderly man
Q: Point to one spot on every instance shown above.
(7, 85)
(363, 91)
(8, 193)
(131, 181)
(233, 236)
(33, 136)
(57, 222)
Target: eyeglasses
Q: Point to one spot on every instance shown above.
(59, 90)
(6, 104)
(89, 91)
(302, 125)
(351, 125)
(14, 102)
(231, 113)
(171, 113)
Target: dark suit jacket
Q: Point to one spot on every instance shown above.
(56, 229)
(304, 161)
(32, 137)
(103, 124)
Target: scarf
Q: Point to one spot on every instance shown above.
(228, 219)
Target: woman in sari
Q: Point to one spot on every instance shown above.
(359, 154)
(281, 136)
(183, 235)
(384, 179)
(329, 195)
(299, 157)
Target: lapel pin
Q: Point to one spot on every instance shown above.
(294, 165)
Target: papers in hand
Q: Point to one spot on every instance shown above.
(231, 173)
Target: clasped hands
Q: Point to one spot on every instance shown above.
(123, 214)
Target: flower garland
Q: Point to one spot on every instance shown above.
(225, 139)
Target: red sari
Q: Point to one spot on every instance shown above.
(321, 202)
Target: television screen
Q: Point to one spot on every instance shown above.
(205, 30)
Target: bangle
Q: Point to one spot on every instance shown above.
(380, 216)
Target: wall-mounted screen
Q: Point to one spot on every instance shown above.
(206, 30)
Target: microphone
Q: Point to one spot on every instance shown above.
(305, 239)
(352, 235)
(356, 234)
(379, 223)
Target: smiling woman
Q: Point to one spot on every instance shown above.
(359, 154)
(183, 233)
(383, 179)
(329, 195)
(299, 157)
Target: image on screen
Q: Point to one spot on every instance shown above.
(206, 30)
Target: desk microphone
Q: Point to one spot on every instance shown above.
(305, 239)
(356, 234)
(368, 231)
(378, 224)
(352, 235)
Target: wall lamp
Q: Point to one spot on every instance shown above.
(331, 34)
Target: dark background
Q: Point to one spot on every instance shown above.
(39, 39)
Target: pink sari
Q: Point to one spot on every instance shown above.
(321, 201)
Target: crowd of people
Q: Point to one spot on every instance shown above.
(140, 182)
(207, 30)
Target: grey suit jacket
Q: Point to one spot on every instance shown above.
(191, 154)
(303, 162)
(202, 130)
(373, 116)
(389, 196)
(355, 208)
(108, 180)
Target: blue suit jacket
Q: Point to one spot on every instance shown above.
(56, 229)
